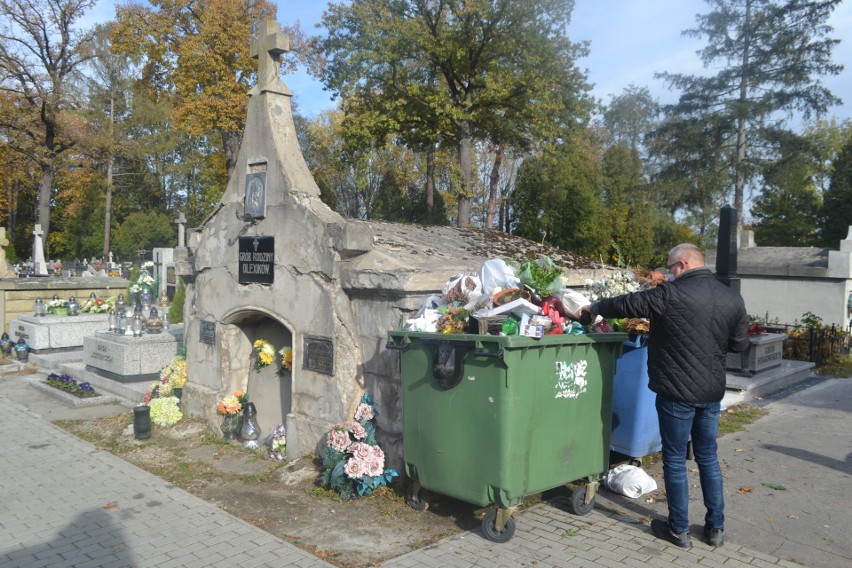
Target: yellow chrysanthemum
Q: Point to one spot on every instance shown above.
(287, 357)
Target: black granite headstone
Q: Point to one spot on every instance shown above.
(726, 249)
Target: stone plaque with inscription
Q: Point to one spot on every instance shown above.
(207, 332)
(257, 260)
(765, 352)
(319, 355)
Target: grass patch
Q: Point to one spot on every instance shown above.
(736, 417)
(840, 368)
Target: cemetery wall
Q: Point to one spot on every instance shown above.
(17, 295)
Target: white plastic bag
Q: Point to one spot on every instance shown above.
(464, 286)
(572, 301)
(495, 274)
(630, 481)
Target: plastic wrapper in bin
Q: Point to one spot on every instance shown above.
(492, 419)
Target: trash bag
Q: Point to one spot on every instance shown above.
(462, 287)
(495, 274)
(630, 481)
(541, 276)
(572, 301)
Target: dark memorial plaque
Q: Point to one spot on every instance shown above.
(319, 355)
(207, 332)
(257, 260)
(255, 199)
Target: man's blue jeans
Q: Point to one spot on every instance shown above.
(680, 421)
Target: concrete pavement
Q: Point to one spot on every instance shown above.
(65, 503)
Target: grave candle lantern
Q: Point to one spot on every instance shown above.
(120, 303)
(112, 320)
(250, 431)
(22, 350)
(137, 325)
(39, 309)
(73, 307)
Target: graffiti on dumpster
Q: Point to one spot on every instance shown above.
(571, 378)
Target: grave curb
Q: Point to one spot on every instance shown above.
(70, 399)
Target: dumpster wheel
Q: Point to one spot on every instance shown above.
(416, 496)
(578, 504)
(489, 526)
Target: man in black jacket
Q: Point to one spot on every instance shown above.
(695, 322)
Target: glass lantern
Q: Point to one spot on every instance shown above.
(164, 299)
(39, 308)
(145, 299)
(112, 320)
(138, 308)
(136, 325)
(120, 323)
(93, 297)
(154, 323)
(73, 307)
(55, 298)
(250, 431)
(120, 303)
(6, 344)
(22, 350)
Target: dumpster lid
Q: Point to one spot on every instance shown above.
(508, 341)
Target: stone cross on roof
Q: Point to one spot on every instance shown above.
(180, 221)
(267, 49)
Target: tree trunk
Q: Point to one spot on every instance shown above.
(430, 184)
(45, 192)
(12, 202)
(739, 184)
(231, 146)
(492, 185)
(108, 200)
(466, 163)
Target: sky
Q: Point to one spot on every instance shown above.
(630, 41)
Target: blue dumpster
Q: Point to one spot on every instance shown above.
(635, 429)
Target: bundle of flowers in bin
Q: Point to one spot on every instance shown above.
(353, 463)
(617, 284)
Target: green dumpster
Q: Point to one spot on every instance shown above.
(492, 419)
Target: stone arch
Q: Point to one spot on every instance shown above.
(270, 391)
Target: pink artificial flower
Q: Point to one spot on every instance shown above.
(354, 468)
(358, 431)
(338, 440)
(378, 456)
(374, 468)
(364, 412)
(361, 450)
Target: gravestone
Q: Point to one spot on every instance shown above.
(766, 351)
(56, 332)
(127, 358)
(163, 259)
(39, 265)
(297, 274)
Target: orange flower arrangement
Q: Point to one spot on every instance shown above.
(233, 403)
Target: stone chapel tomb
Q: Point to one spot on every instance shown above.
(273, 262)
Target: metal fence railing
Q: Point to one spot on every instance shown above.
(815, 344)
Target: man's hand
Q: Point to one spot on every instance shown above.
(585, 315)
